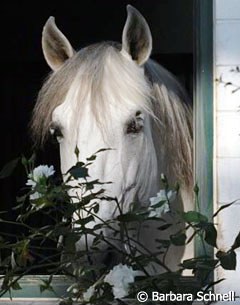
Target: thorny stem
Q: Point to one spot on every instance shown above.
(16, 223)
(133, 240)
(162, 264)
(125, 228)
(129, 239)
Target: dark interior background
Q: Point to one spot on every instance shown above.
(23, 67)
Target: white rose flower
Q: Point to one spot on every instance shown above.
(89, 293)
(39, 173)
(120, 277)
(162, 195)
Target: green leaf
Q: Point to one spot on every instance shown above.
(22, 198)
(159, 204)
(32, 159)
(6, 282)
(8, 169)
(76, 151)
(130, 217)
(165, 226)
(196, 189)
(96, 208)
(16, 286)
(84, 221)
(165, 243)
(89, 186)
(224, 207)
(178, 239)
(101, 150)
(164, 179)
(204, 262)
(211, 234)
(24, 161)
(193, 216)
(92, 158)
(227, 259)
(236, 243)
(78, 171)
(213, 284)
(189, 263)
(46, 285)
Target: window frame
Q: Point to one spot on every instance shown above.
(203, 109)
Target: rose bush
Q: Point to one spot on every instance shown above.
(101, 283)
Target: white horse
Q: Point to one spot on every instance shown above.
(111, 95)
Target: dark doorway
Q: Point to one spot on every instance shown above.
(23, 67)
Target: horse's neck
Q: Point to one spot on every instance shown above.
(164, 157)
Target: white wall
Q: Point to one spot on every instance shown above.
(227, 135)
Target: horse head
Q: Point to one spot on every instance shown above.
(111, 95)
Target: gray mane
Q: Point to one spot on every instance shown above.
(173, 136)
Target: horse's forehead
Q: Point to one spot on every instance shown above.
(117, 112)
(69, 117)
(114, 91)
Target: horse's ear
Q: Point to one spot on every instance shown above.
(136, 37)
(56, 47)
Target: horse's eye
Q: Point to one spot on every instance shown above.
(135, 125)
(56, 133)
